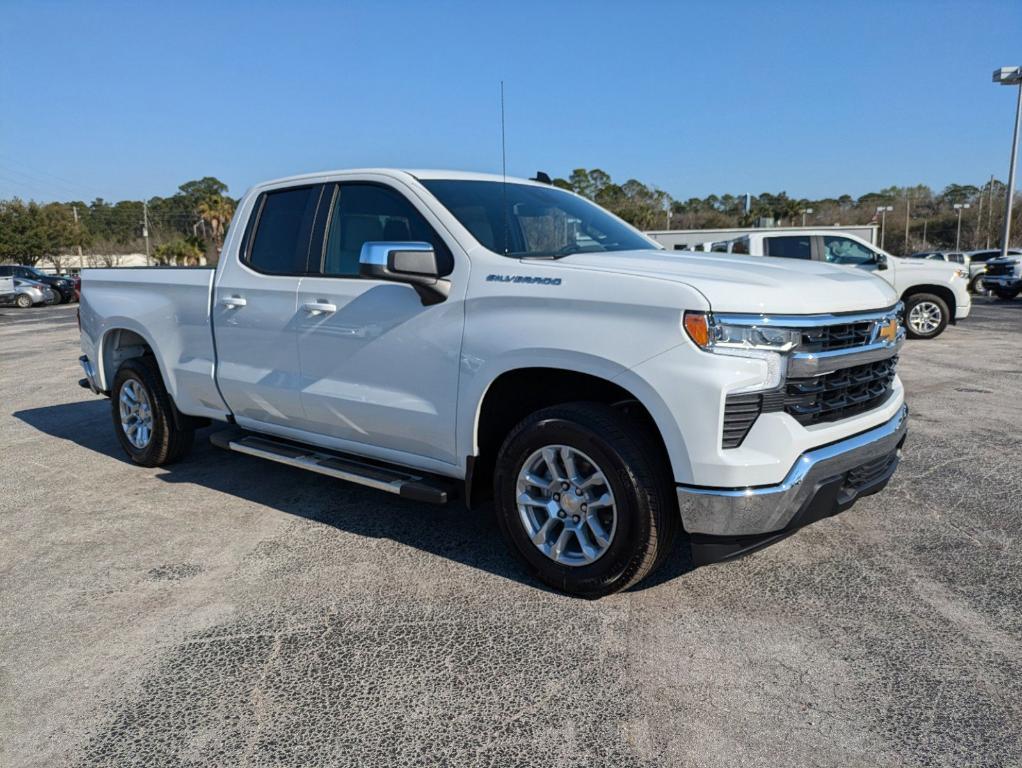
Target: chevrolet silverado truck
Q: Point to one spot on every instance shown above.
(935, 293)
(432, 334)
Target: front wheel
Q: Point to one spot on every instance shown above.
(1004, 295)
(143, 415)
(926, 316)
(584, 500)
(23, 301)
(977, 287)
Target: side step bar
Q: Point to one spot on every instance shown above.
(355, 470)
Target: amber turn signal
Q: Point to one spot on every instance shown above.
(698, 328)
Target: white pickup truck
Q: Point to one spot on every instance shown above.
(430, 333)
(935, 293)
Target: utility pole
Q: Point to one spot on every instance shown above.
(908, 213)
(958, 237)
(925, 222)
(882, 210)
(145, 229)
(1010, 76)
(979, 220)
(78, 236)
(990, 209)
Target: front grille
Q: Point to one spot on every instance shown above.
(811, 400)
(840, 336)
(1002, 268)
(840, 394)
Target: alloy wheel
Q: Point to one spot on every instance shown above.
(924, 318)
(566, 505)
(136, 414)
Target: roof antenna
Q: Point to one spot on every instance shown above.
(503, 165)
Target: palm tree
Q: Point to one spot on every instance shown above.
(216, 211)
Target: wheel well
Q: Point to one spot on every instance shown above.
(940, 291)
(119, 345)
(516, 394)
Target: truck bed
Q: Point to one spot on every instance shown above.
(169, 308)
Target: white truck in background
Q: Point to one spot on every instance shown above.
(935, 293)
(428, 333)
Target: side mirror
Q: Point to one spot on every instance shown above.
(414, 264)
(881, 261)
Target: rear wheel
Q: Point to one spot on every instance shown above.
(1005, 295)
(926, 316)
(583, 499)
(143, 415)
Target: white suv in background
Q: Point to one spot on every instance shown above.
(935, 293)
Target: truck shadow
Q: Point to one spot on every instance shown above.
(452, 532)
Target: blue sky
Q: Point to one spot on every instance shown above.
(817, 98)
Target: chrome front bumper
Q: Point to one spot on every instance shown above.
(822, 481)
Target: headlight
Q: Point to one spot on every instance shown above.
(712, 336)
(962, 274)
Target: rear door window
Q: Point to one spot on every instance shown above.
(789, 247)
(280, 244)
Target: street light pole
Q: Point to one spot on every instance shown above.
(882, 210)
(958, 237)
(1010, 76)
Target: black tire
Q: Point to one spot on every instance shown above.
(1005, 295)
(648, 518)
(168, 443)
(926, 298)
(23, 301)
(977, 287)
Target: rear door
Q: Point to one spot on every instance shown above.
(254, 310)
(379, 369)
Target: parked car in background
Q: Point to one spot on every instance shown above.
(978, 266)
(62, 285)
(429, 332)
(934, 293)
(28, 293)
(1003, 277)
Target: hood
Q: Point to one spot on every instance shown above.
(734, 283)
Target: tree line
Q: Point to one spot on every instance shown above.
(188, 227)
(184, 229)
(931, 216)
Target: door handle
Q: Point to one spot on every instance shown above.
(319, 306)
(233, 302)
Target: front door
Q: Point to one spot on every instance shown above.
(379, 369)
(255, 310)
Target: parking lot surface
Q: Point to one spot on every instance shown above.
(230, 611)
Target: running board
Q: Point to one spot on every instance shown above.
(343, 467)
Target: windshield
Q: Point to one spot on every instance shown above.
(542, 222)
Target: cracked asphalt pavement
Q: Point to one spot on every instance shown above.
(230, 611)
